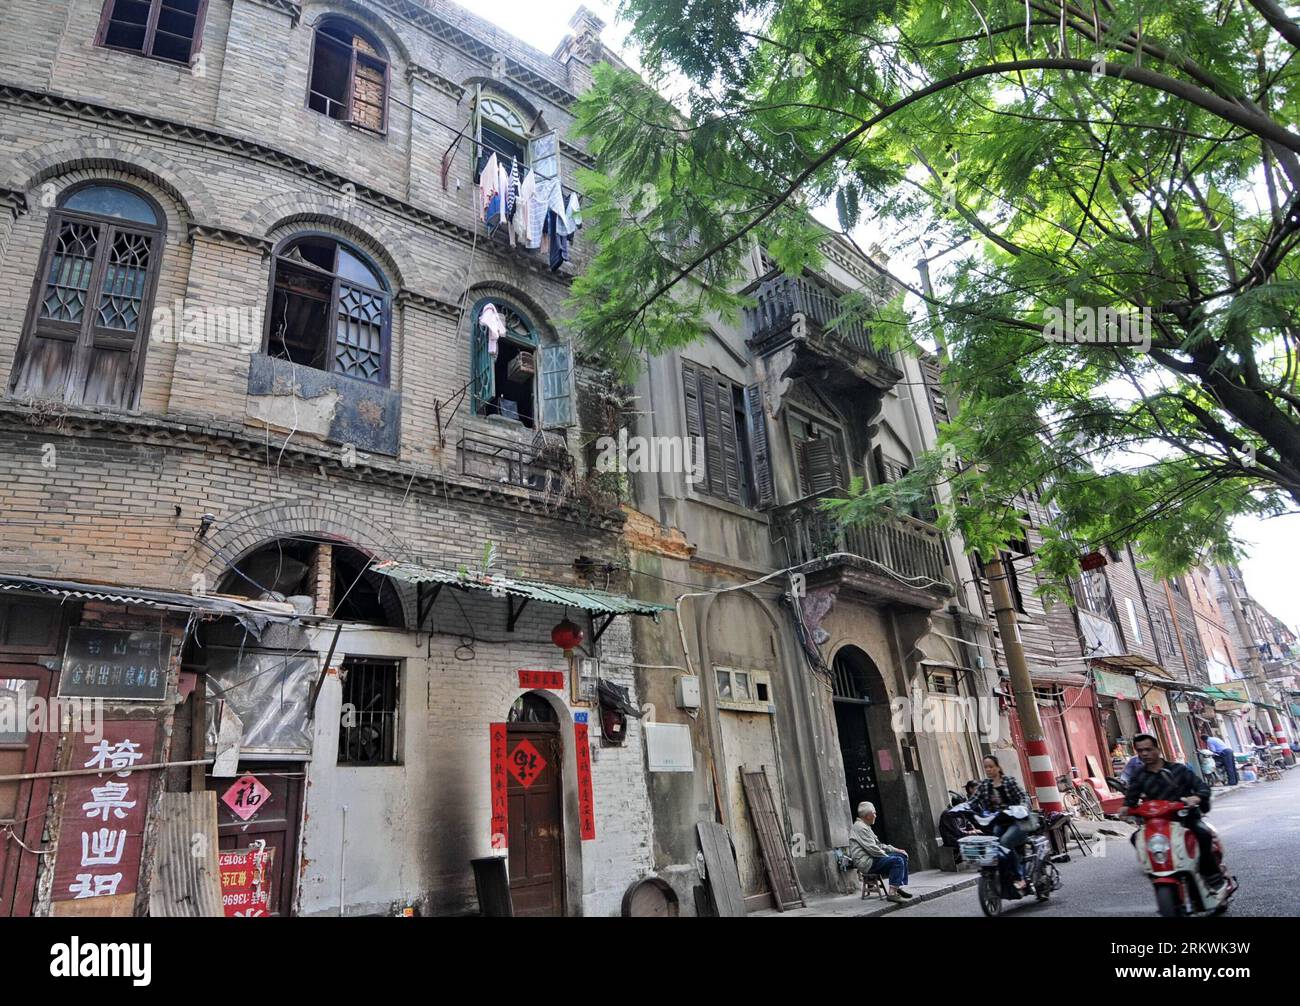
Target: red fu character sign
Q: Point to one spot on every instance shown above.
(526, 763)
(246, 797)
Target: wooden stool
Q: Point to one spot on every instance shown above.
(873, 883)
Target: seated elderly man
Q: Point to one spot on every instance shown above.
(870, 855)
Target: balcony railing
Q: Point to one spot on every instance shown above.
(782, 297)
(900, 544)
(504, 461)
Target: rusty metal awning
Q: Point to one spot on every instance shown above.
(586, 599)
(168, 600)
(1133, 663)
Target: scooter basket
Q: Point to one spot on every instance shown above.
(982, 850)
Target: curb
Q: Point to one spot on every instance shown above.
(891, 906)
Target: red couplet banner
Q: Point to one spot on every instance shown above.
(586, 805)
(550, 680)
(500, 802)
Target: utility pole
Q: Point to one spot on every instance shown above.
(1022, 688)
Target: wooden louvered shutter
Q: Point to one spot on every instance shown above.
(729, 482)
(713, 463)
(821, 468)
(759, 446)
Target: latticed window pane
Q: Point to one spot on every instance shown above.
(359, 342)
(125, 281)
(70, 269)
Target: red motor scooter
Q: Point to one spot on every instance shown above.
(1168, 851)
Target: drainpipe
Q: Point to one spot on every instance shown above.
(343, 851)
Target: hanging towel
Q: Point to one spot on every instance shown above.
(555, 202)
(574, 213)
(536, 210)
(503, 189)
(489, 186)
(523, 206)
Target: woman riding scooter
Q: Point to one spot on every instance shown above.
(996, 794)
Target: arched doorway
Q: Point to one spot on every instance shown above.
(861, 708)
(535, 807)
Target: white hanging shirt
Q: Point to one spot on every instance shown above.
(495, 325)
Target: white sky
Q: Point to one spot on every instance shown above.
(1271, 571)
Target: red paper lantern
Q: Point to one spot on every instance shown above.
(567, 636)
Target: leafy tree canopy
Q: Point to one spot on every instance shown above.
(1053, 159)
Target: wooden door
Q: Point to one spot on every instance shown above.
(276, 822)
(22, 804)
(536, 820)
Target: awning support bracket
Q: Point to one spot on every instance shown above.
(599, 630)
(515, 612)
(423, 608)
(325, 669)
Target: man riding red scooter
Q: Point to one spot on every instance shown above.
(1177, 848)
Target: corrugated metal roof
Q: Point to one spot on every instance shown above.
(215, 604)
(549, 593)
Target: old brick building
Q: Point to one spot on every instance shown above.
(244, 264)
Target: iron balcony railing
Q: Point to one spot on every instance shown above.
(504, 461)
(779, 299)
(900, 544)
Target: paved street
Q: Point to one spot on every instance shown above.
(1260, 826)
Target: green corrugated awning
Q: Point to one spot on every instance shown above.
(533, 590)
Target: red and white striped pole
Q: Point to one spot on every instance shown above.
(1022, 687)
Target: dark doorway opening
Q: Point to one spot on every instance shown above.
(859, 697)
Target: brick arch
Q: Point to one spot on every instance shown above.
(33, 167)
(399, 52)
(234, 537)
(280, 215)
(507, 289)
(513, 95)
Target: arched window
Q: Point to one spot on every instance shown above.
(170, 30)
(330, 309)
(84, 340)
(349, 75)
(501, 129)
(528, 380)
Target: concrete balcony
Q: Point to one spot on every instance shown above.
(807, 314)
(900, 560)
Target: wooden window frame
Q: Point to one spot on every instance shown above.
(151, 32)
(83, 336)
(349, 103)
(792, 442)
(386, 337)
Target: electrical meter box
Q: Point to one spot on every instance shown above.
(688, 692)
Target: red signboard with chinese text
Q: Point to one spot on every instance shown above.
(246, 882)
(586, 805)
(104, 813)
(552, 680)
(500, 800)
